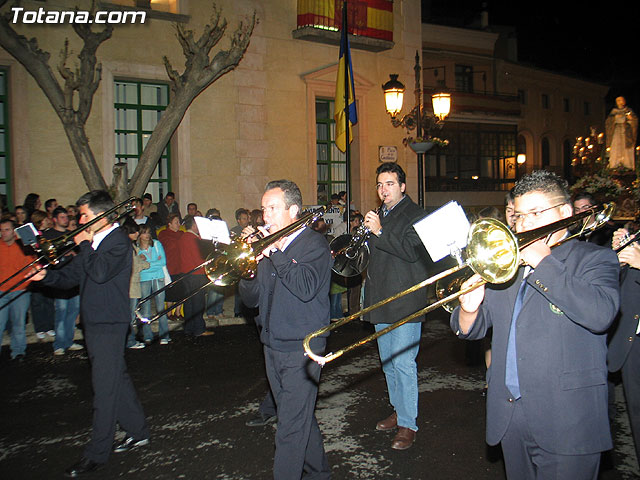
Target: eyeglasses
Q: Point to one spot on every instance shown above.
(387, 184)
(518, 217)
(583, 208)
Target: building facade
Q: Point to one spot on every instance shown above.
(272, 117)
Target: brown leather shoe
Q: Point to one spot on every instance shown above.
(389, 423)
(403, 439)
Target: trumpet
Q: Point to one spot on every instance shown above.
(51, 251)
(627, 240)
(493, 252)
(228, 264)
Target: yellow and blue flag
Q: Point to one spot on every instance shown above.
(340, 116)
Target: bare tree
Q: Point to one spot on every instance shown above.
(72, 100)
(200, 72)
(83, 81)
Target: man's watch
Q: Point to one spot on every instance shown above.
(379, 232)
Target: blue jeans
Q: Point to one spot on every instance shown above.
(13, 307)
(335, 301)
(398, 351)
(215, 300)
(67, 310)
(147, 288)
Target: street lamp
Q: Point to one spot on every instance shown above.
(521, 158)
(416, 118)
(393, 95)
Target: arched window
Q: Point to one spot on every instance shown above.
(546, 152)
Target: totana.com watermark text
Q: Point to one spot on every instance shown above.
(20, 15)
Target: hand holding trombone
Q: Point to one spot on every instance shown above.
(492, 252)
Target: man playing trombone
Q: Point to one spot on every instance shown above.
(102, 269)
(291, 290)
(547, 395)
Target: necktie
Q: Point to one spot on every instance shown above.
(511, 368)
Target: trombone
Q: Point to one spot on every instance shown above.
(52, 251)
(228, 264)
(493, 252)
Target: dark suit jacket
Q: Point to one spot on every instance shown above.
(291, 290)
(627, 321)
(398, 261)
(572, 299)
(103, 276)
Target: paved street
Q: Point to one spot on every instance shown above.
(197, 394)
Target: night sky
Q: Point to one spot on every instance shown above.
(593, 42)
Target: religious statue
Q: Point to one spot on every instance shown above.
(621, 128)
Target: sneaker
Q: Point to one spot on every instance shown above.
(51, 333)
(137, 346)
(40, 335)
(129, 443)
(164, 341)
(76, 346)
(58, 351)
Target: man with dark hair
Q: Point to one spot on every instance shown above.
(398, 260)
(148, 207)
(582, 202)
(292, 291)
(242, 218)
(66, 302)
(547, 394)
(102, 270)
(192, 211)
(509, 210)
(50, 205)
(167, 206)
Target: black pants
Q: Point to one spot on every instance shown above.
(299, 448)
(525, 460)
(631, 383)
(42, 311)
(114, 398)
(194, 307)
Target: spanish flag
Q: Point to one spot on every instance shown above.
(345, 77)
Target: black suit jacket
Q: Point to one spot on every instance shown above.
(103, 276)
(291, 290)
(572, 298)
(398, 261)
(624, 333)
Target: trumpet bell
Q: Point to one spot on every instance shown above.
(349, 260)
(492, 250)
(230, 263)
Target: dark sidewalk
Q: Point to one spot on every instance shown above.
(197, 394)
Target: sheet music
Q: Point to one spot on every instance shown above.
(213, 229)
(444, 231)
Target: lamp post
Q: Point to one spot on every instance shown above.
(416, 119)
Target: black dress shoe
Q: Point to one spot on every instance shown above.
(129, 443)
(83, 466)
(261, 421)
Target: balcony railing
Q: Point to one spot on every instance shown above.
(369, 21)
